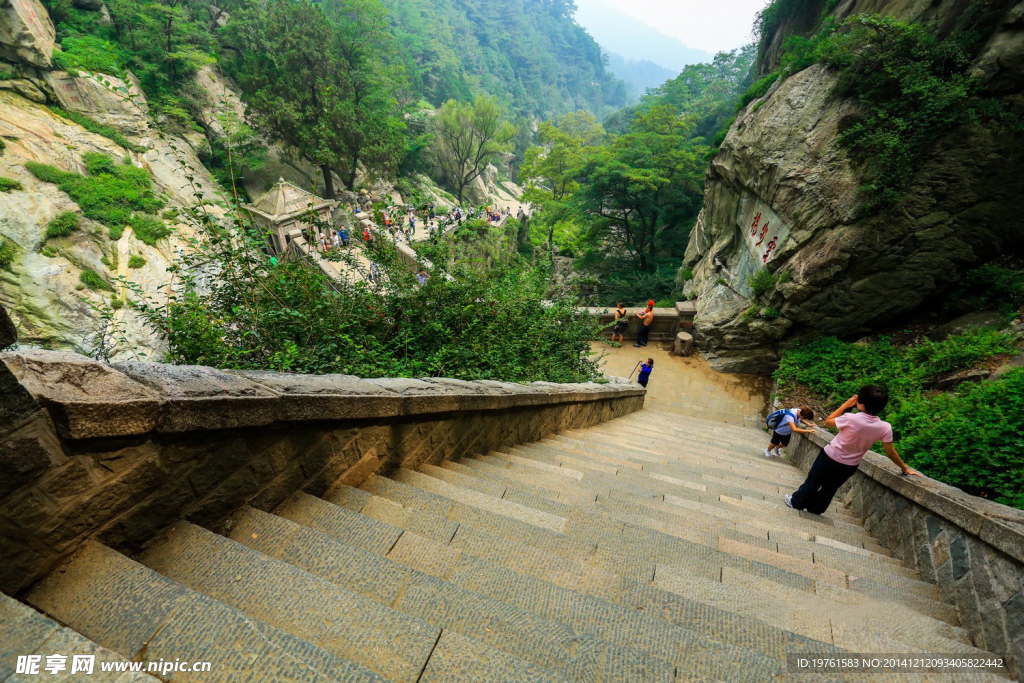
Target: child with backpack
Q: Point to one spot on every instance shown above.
(838, 461)
(783, 423)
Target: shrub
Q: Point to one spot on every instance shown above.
(91, 279)
(135, 261)
(971, 438)
(8, 252)
(991, 287)
(116, 303)
(148, 229)
(9, 184)
(762, 282)
(758, 89)
(771, 313)
(63, 225)
(111, 194)
(89, 53)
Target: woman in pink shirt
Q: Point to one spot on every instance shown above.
(839, 459)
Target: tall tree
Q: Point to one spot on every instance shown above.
(468, 137)
(311, 79)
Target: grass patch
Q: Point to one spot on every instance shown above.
(762, 282)
(114, 194)
(135, 261)
(91, 279)
(9, 184)
(63, 225)
(99, 129)
(8, 253)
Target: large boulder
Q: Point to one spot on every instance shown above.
(106, 99)
(26, 33)
(783, 197)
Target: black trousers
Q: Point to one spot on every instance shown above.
(643, 334)
(823, 480)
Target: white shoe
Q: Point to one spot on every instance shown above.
(767, 453)
(789, 500)
(779, 453)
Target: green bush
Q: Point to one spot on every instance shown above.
(9, 184)
(89, 53)
(950, 437)
(762, 282)
(63, 225)
(135, 261)
(112, 194)
(771, 313)
(149, 229)
(99, 129)
(991, 287)
(8, 252)
(758, 90)
(91, 279)
(972, 438)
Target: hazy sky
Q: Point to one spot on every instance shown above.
(711, 25)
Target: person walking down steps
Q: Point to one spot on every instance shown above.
(838, 461)
(783, 423)
(645, 372)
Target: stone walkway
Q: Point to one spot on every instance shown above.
(688, 386)
(654, 547)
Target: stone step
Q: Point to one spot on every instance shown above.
(658, 489)
(322, 548)
(856, 623)
(579, 611)
(695, 460)
(481, 501)
(134, 611)
(593, 581)
(643, 546)
(626, 483)
(24, 631)
(280, 595)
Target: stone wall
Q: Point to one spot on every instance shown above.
(667, 321)
(972, 548)
(118, 452)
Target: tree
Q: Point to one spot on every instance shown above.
(311, 78)
(551, 170)
(468, 137)
(639, 192)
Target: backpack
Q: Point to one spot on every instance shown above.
(776, 418)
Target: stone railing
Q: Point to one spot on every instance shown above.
(118, 452)
(972, 548)
(667, 324)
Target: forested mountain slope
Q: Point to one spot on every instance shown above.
(529, 54)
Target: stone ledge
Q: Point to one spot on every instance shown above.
(89, 399)
(999, 525)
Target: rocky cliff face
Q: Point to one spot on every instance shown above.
(783, 196)
(41, 287)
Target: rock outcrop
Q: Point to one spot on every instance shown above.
(26, 33)
(42, 287)
(783, 196)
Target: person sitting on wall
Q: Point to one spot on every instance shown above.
(838, 461)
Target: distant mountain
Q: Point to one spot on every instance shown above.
(618, 33)
(639, 75)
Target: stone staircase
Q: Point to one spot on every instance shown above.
(655, 547)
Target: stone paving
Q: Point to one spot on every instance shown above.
(653, 547)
